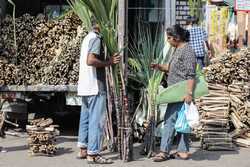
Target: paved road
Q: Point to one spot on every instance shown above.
(17, 156)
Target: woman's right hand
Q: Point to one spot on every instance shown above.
(154, 66)
(161, 67)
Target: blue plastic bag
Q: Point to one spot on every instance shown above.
(181, 124)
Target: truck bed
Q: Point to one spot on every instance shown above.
(39, 88)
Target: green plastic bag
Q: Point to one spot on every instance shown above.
(176, 92)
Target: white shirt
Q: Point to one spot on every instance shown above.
(87, 83)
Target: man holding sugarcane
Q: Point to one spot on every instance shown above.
(92, 88)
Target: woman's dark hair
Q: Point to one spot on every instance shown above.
(178, 32)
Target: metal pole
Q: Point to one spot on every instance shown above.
(121, 24)
(126, 151)
(246, 31)
(170, 11)
(2, 8)
(122, 33)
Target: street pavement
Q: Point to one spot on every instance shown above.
(17, 156)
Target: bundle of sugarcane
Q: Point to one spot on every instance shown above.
(42, 136)
(229, 67)
(144, 52)
(214, 110)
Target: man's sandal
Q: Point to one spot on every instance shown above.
(82, 154)
(160, 157)
(98, 159)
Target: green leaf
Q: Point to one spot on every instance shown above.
(176, 92)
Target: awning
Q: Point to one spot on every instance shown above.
(229, 2)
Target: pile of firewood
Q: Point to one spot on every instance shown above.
(225, 116)
(240, 112)
(8, 72)
(64, 68)
(214, 109)
(47, 50)
(229, 67)
(226, 108)
(42, 137)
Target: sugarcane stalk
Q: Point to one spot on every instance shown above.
(14, 27)
(109, 112)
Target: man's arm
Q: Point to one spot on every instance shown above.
(92, 60)
(94, 51)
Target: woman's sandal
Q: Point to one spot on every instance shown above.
(98, 159)
(177, 156)
(160, 157)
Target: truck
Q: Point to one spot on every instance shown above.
(21, 102)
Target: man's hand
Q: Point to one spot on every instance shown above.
(115, 59)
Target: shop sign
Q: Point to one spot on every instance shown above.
(242, 5)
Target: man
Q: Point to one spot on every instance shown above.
(92, 88)
(198, 40)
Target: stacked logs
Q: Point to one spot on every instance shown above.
(231, 116)
(8, 72)
(47, 51)
(224, 106)
(7, 38)
(229, 67)
(214, 110)
(48, 47)
(64, 68)
(240, 112)
(42, 137)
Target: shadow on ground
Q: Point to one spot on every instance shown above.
(16, 148)
(200, 155)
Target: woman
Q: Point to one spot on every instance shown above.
(180, 67)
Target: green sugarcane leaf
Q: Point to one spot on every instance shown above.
(176, 92)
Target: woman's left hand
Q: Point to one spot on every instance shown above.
(188, 99)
